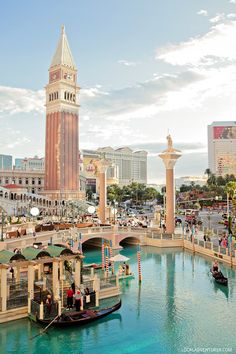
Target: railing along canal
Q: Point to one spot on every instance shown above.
(18, 294)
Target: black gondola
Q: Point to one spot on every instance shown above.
(79, 318)
(219, 278)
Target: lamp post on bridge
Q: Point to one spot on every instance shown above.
(2, 225)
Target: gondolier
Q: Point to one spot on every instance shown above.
(78, 297)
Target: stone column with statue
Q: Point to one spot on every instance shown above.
(102, 166)
(169, 157)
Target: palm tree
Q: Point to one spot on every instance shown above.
(208, 172)
(212, 181)
(230, 189)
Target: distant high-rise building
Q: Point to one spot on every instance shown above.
(5, 162)
(222, 148)
(18, 163)
(61, 156)
(132, 165)
(29, 164)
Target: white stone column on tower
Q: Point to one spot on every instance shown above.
(102, 166)
(3, 272)
(55, 278)
(169, 158)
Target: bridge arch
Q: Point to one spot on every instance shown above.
(130, 240)
(95, 240)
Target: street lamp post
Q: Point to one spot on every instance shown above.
(209, 221)
(109, 205)
(2, 225)
(227, 206)
(115, 210)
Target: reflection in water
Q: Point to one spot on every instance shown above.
(193, 260)
(170, 289)
(139, 301)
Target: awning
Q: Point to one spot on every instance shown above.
(31, 253)
(8, 256)
(119, 258)
(57, 251)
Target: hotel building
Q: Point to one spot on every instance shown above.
(222, 148)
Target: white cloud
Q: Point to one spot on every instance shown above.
(12, 139)
(126, 62)
(216, 45)
(16, 100)
(93, 92)
(232, 1)
(21, 141)
(231, 15)
(84, 117)
(202, 12)
(217, 18)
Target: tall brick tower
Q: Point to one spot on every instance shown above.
(61, 155)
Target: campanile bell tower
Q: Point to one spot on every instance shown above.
(61, 155)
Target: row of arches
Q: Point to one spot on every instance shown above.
(31, 199)
(24, 198)
(53, 96)
(69, 96)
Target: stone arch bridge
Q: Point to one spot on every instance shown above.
(116, 235)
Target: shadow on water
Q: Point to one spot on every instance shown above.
(221, 288)
(91, 325)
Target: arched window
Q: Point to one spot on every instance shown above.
(65, 95)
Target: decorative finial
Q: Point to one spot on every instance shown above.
(63, 29)
(169, 142)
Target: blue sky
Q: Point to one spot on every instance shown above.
(144, 67)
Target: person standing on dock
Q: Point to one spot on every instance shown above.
(78, 300)
(70, 295)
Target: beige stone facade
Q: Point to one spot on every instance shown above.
(32, 181)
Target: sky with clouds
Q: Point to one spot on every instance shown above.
(145, 67)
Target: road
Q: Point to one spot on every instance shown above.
(211, 220)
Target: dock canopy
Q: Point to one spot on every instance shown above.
(31, 253)
(8, 256)
(57, 251)
(119, 258)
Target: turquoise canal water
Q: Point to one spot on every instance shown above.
(177, 308)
